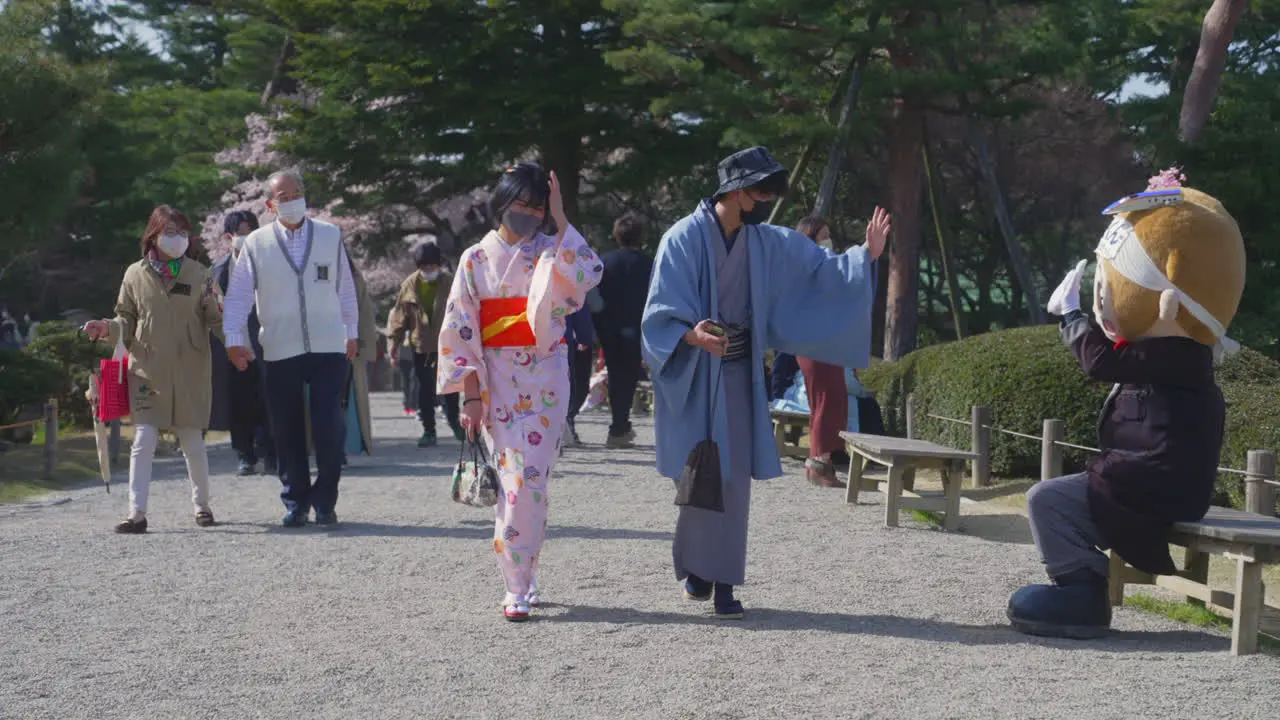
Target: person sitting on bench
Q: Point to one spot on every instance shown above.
(1170, 273)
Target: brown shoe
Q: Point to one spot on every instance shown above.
(821, 473)
(132, 527)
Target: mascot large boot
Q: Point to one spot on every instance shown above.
(1170, 272)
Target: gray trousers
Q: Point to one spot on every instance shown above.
(1062, 526)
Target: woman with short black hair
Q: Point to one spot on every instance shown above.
(502, 345)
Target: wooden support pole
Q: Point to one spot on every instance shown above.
(50, 438)
(911, 415)
(1260, 497)
(980, 425)
(1055, 431)
(1247, 613)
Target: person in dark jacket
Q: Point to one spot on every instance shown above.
(622, 294)
(1169, 279)
(239, 404)
(580, 338)
(783, 375)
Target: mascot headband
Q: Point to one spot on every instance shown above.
(1120, 246)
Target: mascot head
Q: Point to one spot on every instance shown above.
(1171, 263)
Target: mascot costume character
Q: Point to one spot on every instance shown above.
(1171, 268)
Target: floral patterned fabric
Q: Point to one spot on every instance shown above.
(524, 390)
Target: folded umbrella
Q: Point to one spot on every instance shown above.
(100, 433)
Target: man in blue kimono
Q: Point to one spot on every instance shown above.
(765, 287)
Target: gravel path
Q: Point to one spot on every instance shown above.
(396, 614)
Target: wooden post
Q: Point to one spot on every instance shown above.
(980, 425)
(911, 415)
(50, 438)
(1259, 497)
(1055, 431)
(1247, 613)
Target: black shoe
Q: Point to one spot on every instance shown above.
(269, 466)
(727, 608)
(697, 589)
(326, 518)
(1076, 606)
(294, 519)
(132, 527)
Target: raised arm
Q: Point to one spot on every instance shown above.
(819, 303)
(1099, 357)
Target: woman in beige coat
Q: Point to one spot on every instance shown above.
(166, 309)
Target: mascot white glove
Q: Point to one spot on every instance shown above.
(1067, 297)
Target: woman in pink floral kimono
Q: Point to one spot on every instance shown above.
(502, 346)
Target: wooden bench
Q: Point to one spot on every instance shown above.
(903, 457)
(1251, 540)
(788, 427)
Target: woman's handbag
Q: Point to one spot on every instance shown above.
(700, 484)
(475, 482)
(113, 384)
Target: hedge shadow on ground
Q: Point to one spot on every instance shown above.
(1026, 375)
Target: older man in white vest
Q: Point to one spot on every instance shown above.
(297, 273)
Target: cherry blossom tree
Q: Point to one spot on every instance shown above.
(256, 158)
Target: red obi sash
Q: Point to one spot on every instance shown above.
(504, 322)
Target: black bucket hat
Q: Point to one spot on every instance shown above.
(746, 168)
(428, 253)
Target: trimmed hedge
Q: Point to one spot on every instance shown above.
(75, 357)
(1027, 374)
(25, 382)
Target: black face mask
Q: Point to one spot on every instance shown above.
(758, 213)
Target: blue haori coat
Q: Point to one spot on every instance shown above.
(805, 301)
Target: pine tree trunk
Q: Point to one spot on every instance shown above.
(944, 247)
(835, 158)
(1018, 262)
(1211, 58)
(797, 172)
(902, 302)
(280, 82)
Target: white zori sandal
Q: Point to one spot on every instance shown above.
(515, 609)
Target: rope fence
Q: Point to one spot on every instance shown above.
(1260, 478)
(50, 420)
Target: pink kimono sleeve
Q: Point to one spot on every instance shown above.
(564, 274)
(460, 351)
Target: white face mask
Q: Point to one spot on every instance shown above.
(430, 275)
(237, 242)
(173, 246)
(293, 211)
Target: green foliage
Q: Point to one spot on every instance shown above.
(415, 105)
(1023, 375)
(69, 352)
(1237, 156)
(26, 382)
(47, 103)
(1027, 374)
